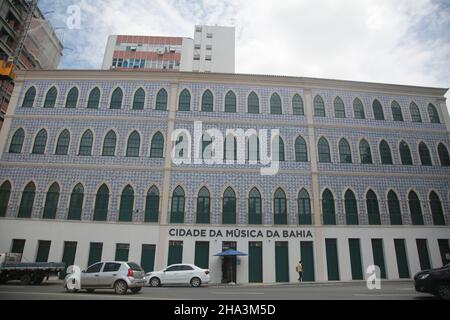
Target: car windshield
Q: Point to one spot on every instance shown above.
(134, 266)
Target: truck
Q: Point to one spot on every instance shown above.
(12, 268)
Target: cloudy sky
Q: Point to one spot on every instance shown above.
(393, 41)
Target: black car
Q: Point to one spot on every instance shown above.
(434, 281)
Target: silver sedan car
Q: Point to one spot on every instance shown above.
(178, 274)
(116, 275)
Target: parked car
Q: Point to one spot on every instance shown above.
(116, 275)
(178, 274)
(434, 281)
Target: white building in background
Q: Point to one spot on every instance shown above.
(211, 50)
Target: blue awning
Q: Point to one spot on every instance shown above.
(230, 252)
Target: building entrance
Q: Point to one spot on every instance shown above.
(229, 263)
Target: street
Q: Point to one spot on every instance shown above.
(390, 290)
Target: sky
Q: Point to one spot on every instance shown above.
(390, 41)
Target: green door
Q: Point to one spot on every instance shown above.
(281, 261)
(444, 249)
(402, 259)
(424, 257)
(95, 252)
(355, 259)
(332, 259)
(70, 249)
(307, 257)
(17, 246)
(202, 254)
(378, 256)
(255, 262)
(148, 257)
(43, 251)
(175, 252)
(122, 250)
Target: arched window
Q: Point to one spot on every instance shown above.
(161, 100)
(415, 112)
(436, 209)
(424, 153)
(207, 151)
(184, 102)
(76, 203)
(27, 201)
(17, 141)
(275, 104)
(385, 153)
(345, 153)
(229, 206)
(101, 204)
(377, 110)
(230, 148)
(230, 102)
(40, 142)
(207, 101)
(280, 155)
(339, 108)
(395, 213)
(152, 205)
(72, 98)
(50, 98)
(405, 154)
(254, 207)
(62, 145)
(297, 105)
(157, 146)
(109, 144)
(373, 208)
(280, 207)
(364, 152)
(304, 208)
(328, 208)
(126, 204)
(116, 99)
(324, 150)
(443, 155)
(433, 114)
(5, 194)
(87, 139)
(94, 99)
(301, 151)
(203, 206)
(51, 202)
(319, 107)
(177, 208)
(253, 151)
(139, 99)
(351, 208)
(415, 208)
(134, 144)
(28, 100)
(253, 103)
(358, 109)
(397, 114)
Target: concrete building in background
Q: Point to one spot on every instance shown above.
(211, 50)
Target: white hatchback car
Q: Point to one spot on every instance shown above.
(178, 274)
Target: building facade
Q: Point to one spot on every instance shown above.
(87, 174)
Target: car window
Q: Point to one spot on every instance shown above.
(186, 268)
(173, 268)
(111, 267)
(134, 266)
(94, 268)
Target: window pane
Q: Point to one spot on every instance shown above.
(385, 153)
(207, 101)
(297, 105)
(133, 145)
(324, 150)
(358, 109)
(345, 152)
(319, 107)
(28, 100)
(161, 100)
(109, 144)
(275, 104)
(116, 99)
(301, 152)
(62, 146)
(339, 108)
(139, 99)
(365, 153)
(40, 142)
(157, 146)
(396, 111)
(377, 110)
(72, 98)
(230, 102)
(94, 99)
(86, 144)
(415, 113)
(50, 98)
(184, 103)
(17, 141)
(253, 103)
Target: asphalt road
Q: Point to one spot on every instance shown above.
(390, 290)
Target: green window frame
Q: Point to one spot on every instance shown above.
(253, 103)
(72, 98)
(281, 261)
(17, 141)
(345, 153)
(87, 139)
(301, 150)
(51, 202)
(69, 253)
(424, 256)
(133, 144)
(255, 262)
(358, 109)
(40, 142)
(5, 194)
(203, 206)
(280, 207)
(397, 114)
(405, 154)
(177, 206)
(385, 153)
(436, 209)
(415, 112)
(254, 207)
(184, 102)
(365, 152)
(95, 252)
(101, 203)
(304, 208)
(30, 96)
(328, 208)
(126, 204)
(122, 251)
(116, 99)
(157, 146)
(402, 258)
(207, 101)
(148, 257)
(339, 108)
(43, 251)
(331, 250)
(139, 99)
(94, 99)
(433, 114)
(175, 254)
(319, 107)
(395, 213)
(76, 203)
(378, 256)
(281, 154)
(351, 208)
(27, 201)
(415, 208)
(17, 245)
(377, 110)
(152, 205)
(62, 145)
(443, 155)
(275, 104)
(324, 150)
(425, 156)
(161, 100)
(355, 259)
(201, 258)
(373, 208)
(229, 206)
(297, 105)
(50, 98)
(230, 102)
(109, 144)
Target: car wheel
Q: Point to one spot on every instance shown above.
(443, 291)
(71, 290)
(120, 287)
(25, 279)
(155, 282)
(196, 282)
(90, 290)
(136, 290)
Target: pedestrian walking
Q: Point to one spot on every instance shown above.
(299, 269)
